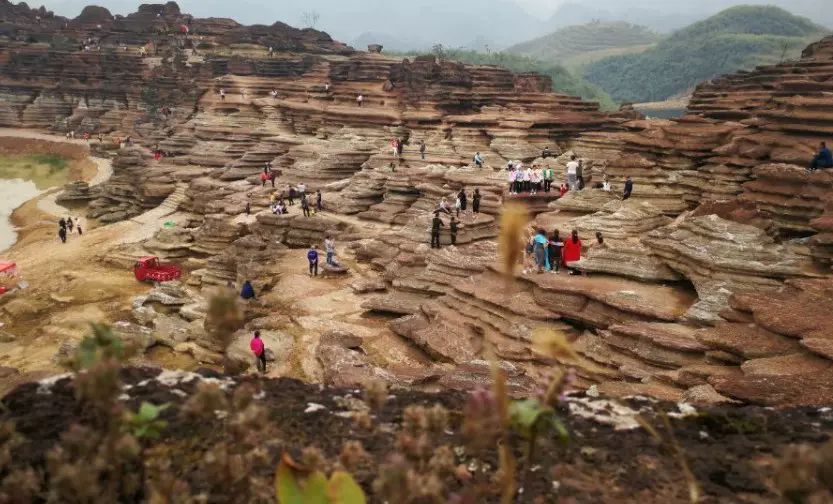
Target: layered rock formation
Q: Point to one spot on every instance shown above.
(662, 307)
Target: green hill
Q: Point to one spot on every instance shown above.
(562, 80)
(739, 38)
(574, 46)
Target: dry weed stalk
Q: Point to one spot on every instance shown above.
(513, 222)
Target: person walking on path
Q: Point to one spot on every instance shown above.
(259, 350)
(312, 257)
(436, 224)
(78, 226)
(62, 234)
(330, 248)
(475, 201)
(248, 291)
(422, 149)
(69, 224)
(305, 205)
(628, 188)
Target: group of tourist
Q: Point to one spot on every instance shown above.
(460, 207)
(66, 226)
(550, 253)
(279, 207)
(534, 179)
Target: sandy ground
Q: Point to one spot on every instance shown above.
(70, 286)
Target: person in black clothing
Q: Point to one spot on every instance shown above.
(272, 177)
(305, 205)
(248, 208)
(824, 159)
(62, 223)
(422, 149)
(546, 153)
(62, 234)
(475, 201)
(554, 250)
(69, 224)
(628, 188)
(436, 224)
(462, 197)
(291, 196)
(318, 205)
(453, 228)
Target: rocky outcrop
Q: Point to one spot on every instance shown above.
(721, 257)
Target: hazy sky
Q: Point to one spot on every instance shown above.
(454, 22)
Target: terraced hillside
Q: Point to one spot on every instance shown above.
(579, 45)
(739, 38)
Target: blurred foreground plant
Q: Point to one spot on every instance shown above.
(295, 484)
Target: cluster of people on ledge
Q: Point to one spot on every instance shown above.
(533, 179)
(460, 207)
(551, 253)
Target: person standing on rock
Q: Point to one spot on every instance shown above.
(223, 95)
(248, 291)
(319, 206)
(511, 176)
(563, 190)
(312, 257)
(628, 188)
(248, 208)
(272, 177)
(539, 247)
(572, 173)
(528, 179)
(475, 201)
(452, 227)
(571, 252)
(259, 349)
(305, 205)
(554, 250)
(463, 199)
(78, 226)
(548, 176)
(69, 224)
(478, 160)
(359, 100)
(436, 224)
(330, 248)
(422, 149)
(546, 153)
(62, 234)
(291, 195)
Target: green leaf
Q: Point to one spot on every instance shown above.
(315, 489)
(149, 411)
(345, 490)
(287, 489)
(560, 430)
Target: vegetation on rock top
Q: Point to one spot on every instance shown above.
(739, 38)
(578, 45)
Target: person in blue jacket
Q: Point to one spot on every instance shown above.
(312, 257)
(247, 292)
(824, 159)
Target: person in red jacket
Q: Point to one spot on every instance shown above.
(571, 252)
(260, 351)
(563, 190)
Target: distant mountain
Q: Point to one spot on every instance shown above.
(659, 21)
(582, 44)
(736, 39)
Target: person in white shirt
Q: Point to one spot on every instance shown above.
(302, 188)
(511, 177)
(606, 184)
(536, 180)
(572, 173)
(359, 100)
(528, 179)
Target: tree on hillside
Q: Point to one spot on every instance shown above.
(310, 18)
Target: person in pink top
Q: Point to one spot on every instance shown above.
(260, 351)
